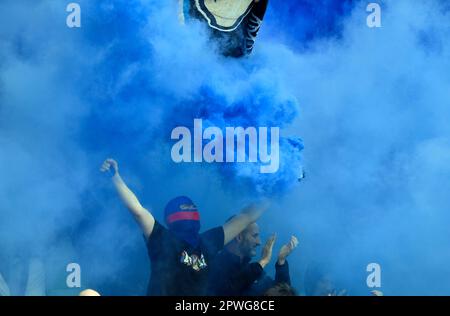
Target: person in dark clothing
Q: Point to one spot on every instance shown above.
(234, 24)
(179, 265)
(319, 281)
(179, 254)
(281, 289)
(4, 289)
(233, 273)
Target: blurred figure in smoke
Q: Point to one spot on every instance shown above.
(4, 289)
(232, 273)
(36, 285)
(35, 278)
(234, 24)
(180, 255)
(318, 282)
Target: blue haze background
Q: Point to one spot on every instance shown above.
(370, 105)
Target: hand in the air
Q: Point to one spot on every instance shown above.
(267, 251)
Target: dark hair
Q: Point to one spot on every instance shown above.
(281, 289)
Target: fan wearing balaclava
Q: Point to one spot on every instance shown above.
(233, 24)
(183, 219)
(179, 254)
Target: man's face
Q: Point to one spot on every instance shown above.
(249, 241)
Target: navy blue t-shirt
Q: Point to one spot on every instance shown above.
(177, 269)
(232, 276)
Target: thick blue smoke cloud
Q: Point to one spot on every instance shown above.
(370, 105)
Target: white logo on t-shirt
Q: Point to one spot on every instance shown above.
(193, 261)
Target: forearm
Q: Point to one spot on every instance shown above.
(144, 218)
(244, 219)
(4, 289)
(36, 279)
(263, 262)
(253, 212)
(127, 196)
(249, 215)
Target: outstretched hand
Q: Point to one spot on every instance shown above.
(108, 164)
(286, 250)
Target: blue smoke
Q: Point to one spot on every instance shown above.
(370, 106)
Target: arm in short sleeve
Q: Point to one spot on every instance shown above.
(157, 240)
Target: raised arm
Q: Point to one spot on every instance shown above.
(144, 218)
(4, 289)
(249, 215)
